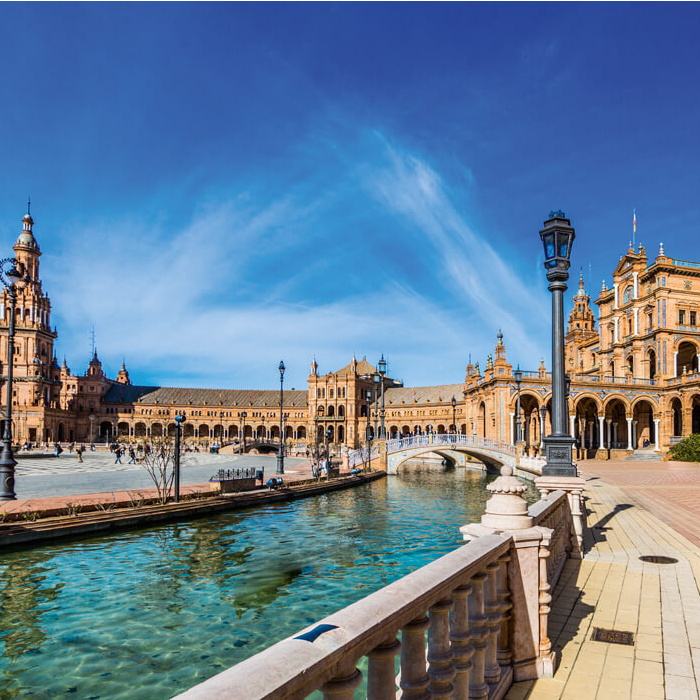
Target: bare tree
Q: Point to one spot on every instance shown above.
(158, 461)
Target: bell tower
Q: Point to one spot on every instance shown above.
(33, 358)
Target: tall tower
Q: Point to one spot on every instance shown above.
(36, 388)
(581, 329)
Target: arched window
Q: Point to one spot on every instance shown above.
(629, 294)
(341, 411)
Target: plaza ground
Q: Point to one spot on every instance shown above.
(634, 509)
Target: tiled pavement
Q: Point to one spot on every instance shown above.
(611, 588)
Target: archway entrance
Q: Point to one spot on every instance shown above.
(643, 434)
(587, 428)
(616, 425)
(677, 409)
(687, 359)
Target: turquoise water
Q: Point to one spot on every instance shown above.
(149, 613)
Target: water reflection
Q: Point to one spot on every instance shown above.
(175, 604)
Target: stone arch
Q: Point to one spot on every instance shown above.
(156, 430)
(587, 409)
(260, 432)
(330, 433)
(321, 410)
(441, 429)
(644, 397)
(629, 364)
(188, 430)
(677, 410)
(643, 428)
(248, 431)
(341, 411)
(275, 432)
(687, 358)
(171, 429)
(341, 433)
(651, 359)
(234, 431)
(695, 413)
(616, 411)
(301, 432)
(331, 411)
(140, 430)
(106, 430)
(122, 429)
(481, 420)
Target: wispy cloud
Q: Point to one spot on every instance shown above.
(254, 277)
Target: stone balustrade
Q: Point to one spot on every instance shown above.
(465, 626)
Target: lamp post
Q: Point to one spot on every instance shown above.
(280, 453)
(11, 278)
(92, 423)
(368, 398)
(557, 237)
(381, 366)
(328, 452)
(179, 419)
(543, 416)
(241, 442)
(375, 380)
(518, 427)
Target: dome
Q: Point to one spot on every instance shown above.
(27, 240)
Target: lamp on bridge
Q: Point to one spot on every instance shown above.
(518, 425)
(381, 366)
(454, 414)
(241, 442)
(13, 280)
(179, 420)
(368, 397)
(280, 453)
(558, 236)
(328, 449)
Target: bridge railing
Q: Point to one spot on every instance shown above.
(442, 439)
(360, 456)
(461, 599)
(476, 604)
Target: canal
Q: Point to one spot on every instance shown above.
(149, 613)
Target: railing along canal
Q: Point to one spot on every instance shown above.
(474, 603)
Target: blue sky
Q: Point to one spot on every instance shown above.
(218, 186)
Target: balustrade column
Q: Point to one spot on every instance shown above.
(544, 599)
(492, 671)
(441, 670)
(601, 432)
(460, 637)
(505, 654)
(342, 687)
(478, 689)
(381, 683)
(414, 679)
(610, 432)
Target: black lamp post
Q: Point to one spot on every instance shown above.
(368, 398)
(179, 420)
(12, 278)
(557, 237)
(376, 378)
(518, 426)
(328, 451)
(543, 416)
(241, 442)
(454, 415)
(280, 453)
(381, 366)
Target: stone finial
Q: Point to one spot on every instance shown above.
(604, 288)
(661, 250)
(507, 509)
(500, 337)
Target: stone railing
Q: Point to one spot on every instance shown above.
(485, 607)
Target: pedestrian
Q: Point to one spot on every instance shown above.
(132, 455)
(118, 455)
(58, 449)
(79, 452)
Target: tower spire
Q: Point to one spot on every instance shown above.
(29, 205)
(634, 226)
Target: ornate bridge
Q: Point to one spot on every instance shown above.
(493, 453)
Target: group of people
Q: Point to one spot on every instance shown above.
(79, 450)
(135, 454)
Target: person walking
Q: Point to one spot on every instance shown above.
(132, 455)
(118, 455)
(79, 453)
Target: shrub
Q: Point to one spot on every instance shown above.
(687, 450)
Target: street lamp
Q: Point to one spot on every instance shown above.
(244, 415)
(454, 414)
(280, 454)
(92, 423)
(381, 366)
(518, 427)
(328, 452)
(179, 419)
(12, 278)
(558, 237)
(376, 378)
(368, 398)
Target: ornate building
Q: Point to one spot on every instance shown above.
(634, 380)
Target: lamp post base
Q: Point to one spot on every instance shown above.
(558, 454)
(280, 464)
(7, 475)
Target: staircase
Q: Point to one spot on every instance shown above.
(644, 454)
